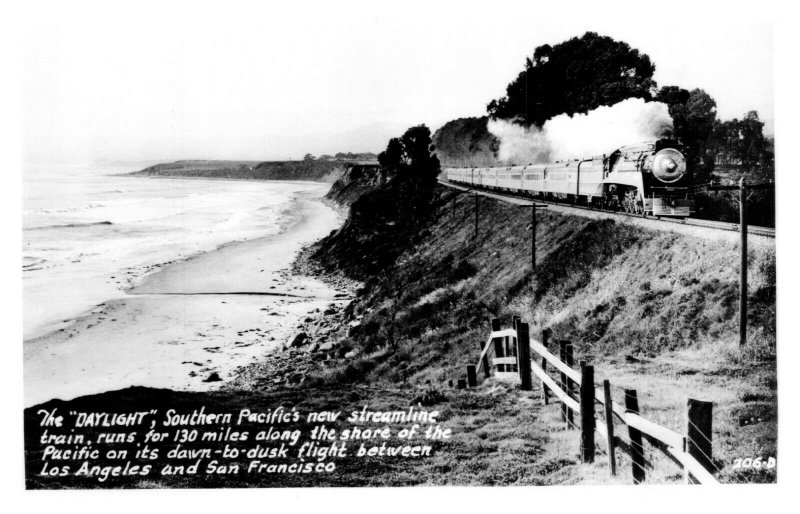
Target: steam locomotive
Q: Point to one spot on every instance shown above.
(646, 178)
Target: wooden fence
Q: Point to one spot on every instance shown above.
(511, 354)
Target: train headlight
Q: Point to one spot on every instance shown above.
(669, 165)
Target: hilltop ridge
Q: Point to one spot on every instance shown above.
(310, 169)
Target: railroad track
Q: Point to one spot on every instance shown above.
(520, 200)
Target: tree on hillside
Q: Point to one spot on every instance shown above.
(411, 155)
(419, 157)
(412, 168)
(693, 114)
(350, 156)
(391, 158)
(466, 142)
(575, 76)
(741, 143)
(753, 144)
(385, 220)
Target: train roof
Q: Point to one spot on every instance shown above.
(648, 145)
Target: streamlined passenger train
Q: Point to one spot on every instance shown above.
(646, 178)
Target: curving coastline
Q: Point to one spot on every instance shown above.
(187, 325)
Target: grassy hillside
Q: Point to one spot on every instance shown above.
(654, 311)
(609, 287)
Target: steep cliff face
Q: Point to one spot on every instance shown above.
(380, 223)
(353, 182)
(321, 171)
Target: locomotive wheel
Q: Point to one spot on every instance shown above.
(630, 202)
(627, 203)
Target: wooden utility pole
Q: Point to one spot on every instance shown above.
(743, 265)
(475, 235)
(533, 243)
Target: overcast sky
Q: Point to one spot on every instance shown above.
(197, 81)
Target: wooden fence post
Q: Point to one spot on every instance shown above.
(637, 450)
(570, 389)
(562, 378)
(524, 356)
(545, 390)
(514, 352)
(533, 245)
(507, 352)
(498, 344)
(609, 414)
(485, 361)
(472, 376)
(587, 413)
(698, 432)
(565, 384)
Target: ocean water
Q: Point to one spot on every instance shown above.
(88, 234)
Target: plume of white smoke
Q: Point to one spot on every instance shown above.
(584, 135)
(519, 144)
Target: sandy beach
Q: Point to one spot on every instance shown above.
(190, 324)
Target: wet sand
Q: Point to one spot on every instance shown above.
(190, 324)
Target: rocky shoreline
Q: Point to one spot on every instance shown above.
(316, 344)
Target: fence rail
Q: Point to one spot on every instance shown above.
(512, 354)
